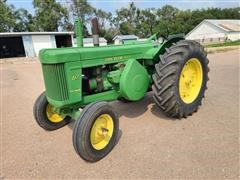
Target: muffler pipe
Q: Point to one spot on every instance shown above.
(95, 32)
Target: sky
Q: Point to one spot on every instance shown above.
(112, 5)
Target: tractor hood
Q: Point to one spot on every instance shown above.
(61, 55)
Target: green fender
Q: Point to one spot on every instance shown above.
(160, 49)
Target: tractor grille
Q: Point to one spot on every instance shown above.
(55, 81)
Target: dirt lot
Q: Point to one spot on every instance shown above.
(151, 145)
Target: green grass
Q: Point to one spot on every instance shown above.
(229, 43)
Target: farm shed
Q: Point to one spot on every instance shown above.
(215, 31)
(88, 42)
(28, 44)
(120, 39)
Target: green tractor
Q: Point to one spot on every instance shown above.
(80, 81)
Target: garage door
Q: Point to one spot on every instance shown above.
(41, 42)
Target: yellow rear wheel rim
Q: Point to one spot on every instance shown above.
(102, 131)
(190, 81)
(52, 115)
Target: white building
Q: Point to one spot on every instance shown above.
(88, 42)
(120, 39)
(214, 31)
(28, 44)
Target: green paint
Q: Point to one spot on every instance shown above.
(75, 77)
(93, 84)
(114, 76)
(79, 32)
(134, 81)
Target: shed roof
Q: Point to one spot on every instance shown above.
(123, 37)
(226, 24)
(34, 33)
(85, 40)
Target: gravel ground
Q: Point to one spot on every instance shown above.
(151, 145)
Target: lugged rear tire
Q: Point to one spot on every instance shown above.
(166, 86)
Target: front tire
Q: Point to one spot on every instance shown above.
(46, 117)
(95, 132)
(181, 79)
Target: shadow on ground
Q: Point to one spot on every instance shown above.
(135, 109)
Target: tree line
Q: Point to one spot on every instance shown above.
(50, 15)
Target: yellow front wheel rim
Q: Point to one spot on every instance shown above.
(52, 115)
(102, 131)
(190, 81)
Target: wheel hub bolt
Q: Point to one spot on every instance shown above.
(104, 131)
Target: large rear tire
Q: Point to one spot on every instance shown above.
(181, 78)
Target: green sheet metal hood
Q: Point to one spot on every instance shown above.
(61, 55)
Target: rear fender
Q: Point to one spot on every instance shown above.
(170, 40)
(157, 50)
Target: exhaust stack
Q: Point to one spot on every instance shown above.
(95, 32)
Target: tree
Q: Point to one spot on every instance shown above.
(24, 21)
(82, 9)
(105, 24)
(50, 15)
(67, 24)
(167, 12)
(103, 17)
(166, 20)
(148, 22)
(127, 19)
(7, 18)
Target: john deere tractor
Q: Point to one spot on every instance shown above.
(80, 82)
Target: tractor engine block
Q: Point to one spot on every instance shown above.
(101, 78)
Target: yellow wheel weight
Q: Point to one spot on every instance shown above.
(52, 115)
(102, 131)
(190, 81)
